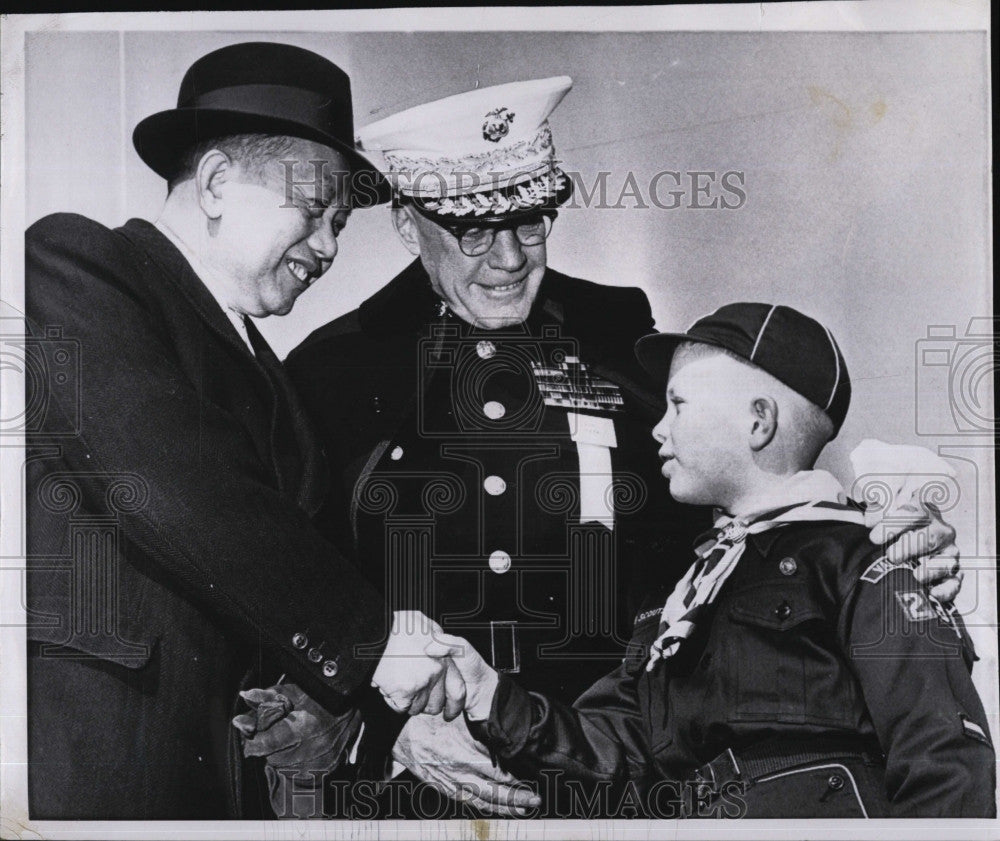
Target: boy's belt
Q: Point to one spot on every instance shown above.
(758, 761)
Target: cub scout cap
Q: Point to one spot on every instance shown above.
(790, 346)
(484, 155)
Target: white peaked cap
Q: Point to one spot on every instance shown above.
(486, 152)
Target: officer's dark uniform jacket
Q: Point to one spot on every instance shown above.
(825, 680)
(462, 486)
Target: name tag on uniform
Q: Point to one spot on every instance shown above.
(591, 429)
(594, 439)
(569, 384)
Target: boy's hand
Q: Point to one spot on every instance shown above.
(480, 679)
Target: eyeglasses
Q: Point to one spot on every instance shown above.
(476, 241)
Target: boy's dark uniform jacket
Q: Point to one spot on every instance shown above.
(398, 392)
(817, 660)
(170, 481)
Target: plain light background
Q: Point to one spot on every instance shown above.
(866, 166)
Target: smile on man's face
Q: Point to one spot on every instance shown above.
(493, 290)
(274, 243)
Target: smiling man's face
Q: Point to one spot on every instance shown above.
(493, 290)
(273, 242)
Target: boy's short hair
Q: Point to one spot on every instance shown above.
(809, 428)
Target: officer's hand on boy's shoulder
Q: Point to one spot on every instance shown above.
(916, 531)
(904, 477)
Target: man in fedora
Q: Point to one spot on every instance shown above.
(494, 466)
(171, 473)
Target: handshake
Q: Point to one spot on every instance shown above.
(425, 670)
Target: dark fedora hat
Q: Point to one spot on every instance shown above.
(260, 88)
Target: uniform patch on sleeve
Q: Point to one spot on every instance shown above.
(879, 569)
(646, 614)
(973, 730)
(916, 606)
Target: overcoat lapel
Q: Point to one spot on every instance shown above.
(296, 455)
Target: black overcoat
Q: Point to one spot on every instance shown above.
(170, 481)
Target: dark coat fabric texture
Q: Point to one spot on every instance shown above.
(825, 685)
(170, 480)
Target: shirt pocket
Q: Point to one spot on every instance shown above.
(784, 663)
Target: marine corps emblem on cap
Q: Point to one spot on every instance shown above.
(466, 157)
(497, 124)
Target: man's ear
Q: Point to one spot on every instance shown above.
(764, 411)
(402, 221)
(214, 169)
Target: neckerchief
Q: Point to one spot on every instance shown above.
(808, 496)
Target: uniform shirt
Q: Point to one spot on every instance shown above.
(484, 533)
(812, 638)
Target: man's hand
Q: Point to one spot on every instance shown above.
(416, 674)
(911, 528)
(479, 677)
(915, 531)
(297, 736)
(446, 756)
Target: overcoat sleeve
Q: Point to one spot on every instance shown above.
(913, 665)
(214, 525)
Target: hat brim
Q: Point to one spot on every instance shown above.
(161, 138)
(656, 351)
(560, 197)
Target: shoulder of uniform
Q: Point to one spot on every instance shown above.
(837, 551)
(335, 336)
(626, 306)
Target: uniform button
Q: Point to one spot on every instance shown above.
(314, 655)
(499, 561)
(377, 405)
(494, 410)
(783, 610)
(486, 349)
(494, 485)
(836, 782)
(330, 668)
(300, 641)
(788, 566)
(396, 454)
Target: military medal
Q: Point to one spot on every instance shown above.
(571, 385)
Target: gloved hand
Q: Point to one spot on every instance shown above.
(299, 739)
(445, 755)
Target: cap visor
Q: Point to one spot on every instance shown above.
(656, 351)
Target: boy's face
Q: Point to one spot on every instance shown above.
(703, 435)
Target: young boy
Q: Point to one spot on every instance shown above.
(792, 672)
